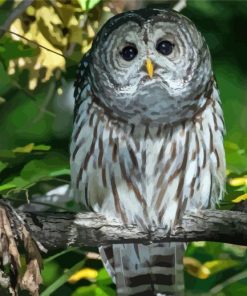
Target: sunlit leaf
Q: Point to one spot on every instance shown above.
(240, 198)
(203, 271)
(7, 186)
(240, 181)
(85, 273)
(218, 265)
(31, 147)
(195, 268)
(25, 149)
(46, 59)
(88, 4)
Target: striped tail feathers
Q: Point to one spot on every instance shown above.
(106, 254)
(145, 270)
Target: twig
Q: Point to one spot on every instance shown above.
(237, 277)
(180, 5)
(33, 42)
(14, 15)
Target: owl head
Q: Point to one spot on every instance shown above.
(150, 66)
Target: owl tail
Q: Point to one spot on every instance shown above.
(145, 270)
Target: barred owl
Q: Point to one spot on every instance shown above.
(147, 140)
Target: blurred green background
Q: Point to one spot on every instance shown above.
(36, 106)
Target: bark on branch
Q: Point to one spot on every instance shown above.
(46, 231)
(59, 230)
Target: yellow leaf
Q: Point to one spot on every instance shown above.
(85, 273)
(90, 31)
(196, 268)
(26, 149)
(241, 181)
(240, 198)
(30, 10)
(48, 34)
(205, 270)
(219, 265)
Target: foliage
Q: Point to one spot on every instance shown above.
(36, 104)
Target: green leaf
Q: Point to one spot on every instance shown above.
(17, 182)
(235, 285)
(42, 148)
(105, 291)
(88, 4)
(62, 279)
(50, 273)
(53, 165)
(61, 172)
(85, 291)
(5, 80)
(12, 49)
(236, 158)
(235, 289)
(93, 290)
(3, 165)
(103, 278)
(7, 154)
(7, 186)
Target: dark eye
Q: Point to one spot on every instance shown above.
(164, 47)
(129, 52)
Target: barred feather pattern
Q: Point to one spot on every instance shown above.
(149, 176)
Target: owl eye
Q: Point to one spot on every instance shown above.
(164, 47)
(129, 52)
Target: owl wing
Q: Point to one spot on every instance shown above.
(81, 80)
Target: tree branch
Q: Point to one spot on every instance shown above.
(59, 230)
(16, 12)
(42, 231)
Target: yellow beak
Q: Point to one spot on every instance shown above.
(150, 67)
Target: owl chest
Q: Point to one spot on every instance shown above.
(146, 177)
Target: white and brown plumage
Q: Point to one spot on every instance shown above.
(147, 142)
